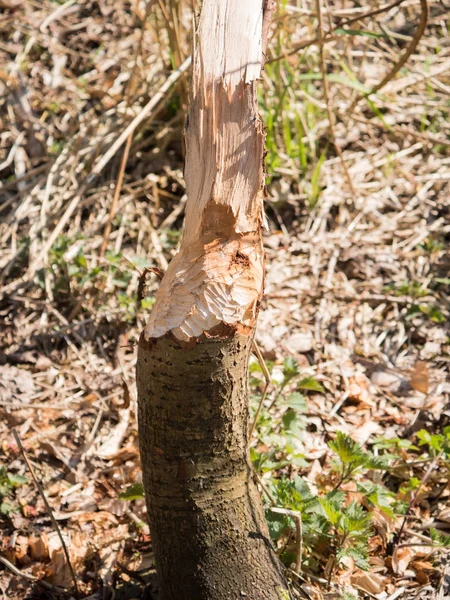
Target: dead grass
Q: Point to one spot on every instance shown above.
(357, 281)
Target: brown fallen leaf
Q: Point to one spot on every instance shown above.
(424, 565)
(383, 524)
(19, 546)
(345, 574)
(372, 583)
(358, 389)
(422, 577)
(401, 559)
(58, 568)
(420, 377)
(39, 547)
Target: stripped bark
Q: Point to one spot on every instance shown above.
(206, 517)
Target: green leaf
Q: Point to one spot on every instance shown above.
(439, 538)
(147, 302)
(276, 523)
(358, 553)
(348, 451)
(379, 496)
(289, 418)
(4, 489)
(134, 492)
(290, 367)
(297, 402)
(443, 280)
(16, 480)
(140, 262)
(299, 460)
(432, 312)
(311, 384)
(7, 508)
(436, 441)
(356, 521)
(346, 595)
(315, 181)
(81, 261)
(330, 511)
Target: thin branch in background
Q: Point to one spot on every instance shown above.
(297, 516)
(266, 373)
(265, 489)
(118, 189)
(49, 510)
(415, 497)
(54, 588)
(326, 94)
(145, 113)
(126, 150)
(141, 116)
(373, 13)
(329, 37)
(403, 59)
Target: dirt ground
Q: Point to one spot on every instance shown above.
(356, 290)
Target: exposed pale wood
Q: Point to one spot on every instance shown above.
(217, 275)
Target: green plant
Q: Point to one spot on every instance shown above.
(438, 444)
(414, 289)
(352, 458)
(283, 434)
(133, 492)
(350, 530)
(8, 482)
(327, 521)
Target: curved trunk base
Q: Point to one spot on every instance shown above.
(206, 519)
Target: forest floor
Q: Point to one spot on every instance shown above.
(354, 326)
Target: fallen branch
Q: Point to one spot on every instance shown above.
(49, 510)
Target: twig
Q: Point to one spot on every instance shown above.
(173, 216)
(126, 150)
(329, 37)
(297, 516)
(55, 15)
(416, 496)
(117, 191)
(17, 571)
(398, 65)
(423, 545)
(30, 577)
(265, 370)
(373, 13)
(326, 94)
(304, 575)
(49, 510)
(265, 489)
(41, 257)
(145, 112)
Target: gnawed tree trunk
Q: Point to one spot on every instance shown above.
(206, 518)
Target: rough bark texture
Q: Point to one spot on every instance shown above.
(206, 519)
(207, 524)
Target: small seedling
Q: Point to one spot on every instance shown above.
(8, 482)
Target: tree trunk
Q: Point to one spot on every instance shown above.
(206, 519)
